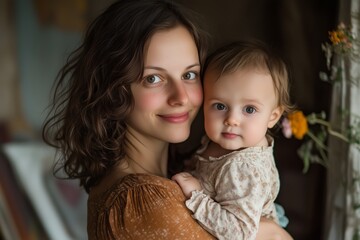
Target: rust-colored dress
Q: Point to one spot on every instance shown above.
(142, 206)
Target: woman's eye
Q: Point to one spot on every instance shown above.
(250, 110)
(220, 106)
(189, 75)
(152, 79)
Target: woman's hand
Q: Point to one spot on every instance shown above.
(269, 230)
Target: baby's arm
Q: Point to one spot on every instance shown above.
(187, 182)
(268, 229)
(237, 206)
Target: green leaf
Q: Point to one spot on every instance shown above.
(356, 235)
(304, 153)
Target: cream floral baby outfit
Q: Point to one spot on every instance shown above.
(238, 189)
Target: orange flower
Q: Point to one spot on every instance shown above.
(334, 37)
(298, 122)
(338, 36)
(341, 38)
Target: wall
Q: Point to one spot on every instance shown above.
(8, 66)
(42, 48)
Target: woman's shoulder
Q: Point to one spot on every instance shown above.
(144, 186)
(140, 206)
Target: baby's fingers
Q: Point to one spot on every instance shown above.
(181, 176)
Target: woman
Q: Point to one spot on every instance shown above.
(132, 88)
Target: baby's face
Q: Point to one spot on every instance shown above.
(239, 107)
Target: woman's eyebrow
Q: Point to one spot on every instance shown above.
(193, 65)
(162, 69)
(155, 68)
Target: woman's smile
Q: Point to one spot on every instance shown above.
(176, 117)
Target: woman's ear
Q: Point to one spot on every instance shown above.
(275, 116)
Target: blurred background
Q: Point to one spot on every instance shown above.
(36, 36)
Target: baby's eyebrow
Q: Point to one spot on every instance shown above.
(252, 101)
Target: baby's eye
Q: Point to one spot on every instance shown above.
(220, 106)
(190, 75)
(152, 79)
(250, 110)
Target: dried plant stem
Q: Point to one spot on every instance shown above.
(330, 130)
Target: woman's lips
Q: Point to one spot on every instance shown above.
(175, 118)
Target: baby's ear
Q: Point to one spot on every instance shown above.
(275, 116)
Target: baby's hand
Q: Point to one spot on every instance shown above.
(187, 182)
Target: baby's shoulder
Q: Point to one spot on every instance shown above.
(246, 163)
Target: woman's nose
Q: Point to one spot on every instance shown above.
(178, 95)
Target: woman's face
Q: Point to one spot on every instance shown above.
(169, 95)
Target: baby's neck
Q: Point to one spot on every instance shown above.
(263, 143)
(215, 150)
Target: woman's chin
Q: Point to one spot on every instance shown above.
(179, 137)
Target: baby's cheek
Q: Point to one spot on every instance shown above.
(212, 128)
(254, 133)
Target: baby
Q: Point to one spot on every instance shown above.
(245, 95)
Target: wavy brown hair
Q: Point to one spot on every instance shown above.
(92, 95)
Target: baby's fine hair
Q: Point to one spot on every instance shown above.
(252, 54)
(92, 95)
